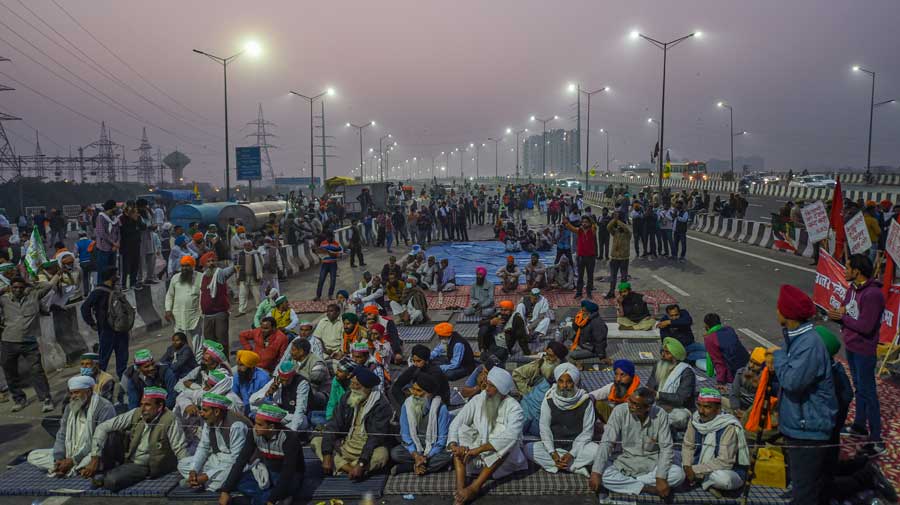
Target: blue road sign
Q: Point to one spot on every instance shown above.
(249, 164)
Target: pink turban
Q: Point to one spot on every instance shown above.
(481, 271)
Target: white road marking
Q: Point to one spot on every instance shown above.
(671, 286)
(55, 500)
(757, 337)
(757, 256)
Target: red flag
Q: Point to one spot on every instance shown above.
(837, 220)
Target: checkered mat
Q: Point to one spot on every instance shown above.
(415, 333)
(468, 331)
(595, 379)
(446, 301)
(462, 318)
(643, 353)
(29, 480)
(310, 306)
(758, 496)
(528, 483)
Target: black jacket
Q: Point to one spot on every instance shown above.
(408, 376)
(290, 467)
(377, 423)
(593, 336)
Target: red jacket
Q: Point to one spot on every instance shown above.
(269, 355)
(586, 242)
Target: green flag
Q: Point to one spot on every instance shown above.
(35, 254)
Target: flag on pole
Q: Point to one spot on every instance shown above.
(35, 254)
(837, 220)
(196, 191)
(667, 168)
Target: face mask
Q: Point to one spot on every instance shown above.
(87, 372)
(408, 285)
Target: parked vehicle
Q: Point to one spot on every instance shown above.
(813, 181)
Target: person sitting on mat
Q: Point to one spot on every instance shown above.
(677, 324)
(340, 384)
(305, 331)
(147, 372)
(356, 437)
(72, 449)
(309, 364)
(353, 332)
(625, 382)
(530, 374)
(535, 273)
(223, 437)
(373, 294)
(538, 317)
(212, 358)
(566, 426)
(477, 380)
(674, 383)
(500, 334)
(631, 310)
(485, 437)
(420, 363)
(424, 426)
(453, 353)
(372, 315)
(446, 277)
(532, 400)
(722, 463)
(292, 392)
(481, 295)
(249, 378)
(105, 384)
(362, 355)
(561, 275)
(509, 275)
(588, 334)
(413, 307)
(644, 466)
(427, 273)
(725, 349)
(268, 341)
(274, 448)
(155, 444)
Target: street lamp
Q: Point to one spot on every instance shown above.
(518, 144)
(544, 146)
(496, 142)
(312, 165)
(587, 164)
(254, 50)
(733, 134)
(662, 120)
(359, 129)
(606, 132)
(381, 154)
(872, 105)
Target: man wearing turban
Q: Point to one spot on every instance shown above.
(566, 426)
(421, 363)
(746, 381)
(353, 331)
(290, 391)
(674, 383)
(509, 275)
(625, 382)
(453, 353)
(481, 295)
(250, 378)
(182, 304)
(424, 424)
(356, 437)
(72, 449)
(588, 334)
(500, 334)
(485, 437)
(531, 374)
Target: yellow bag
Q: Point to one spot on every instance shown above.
(770, 470)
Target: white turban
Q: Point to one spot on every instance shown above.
(81, 382)
(567, 368)
(501, 379)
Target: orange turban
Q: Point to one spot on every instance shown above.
(507, 304)
(370, 309)
(241, 229)
(197, 236)
(248, 358)
(206, 258)
(188, 260)
(443, 329)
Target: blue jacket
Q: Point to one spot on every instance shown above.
(244, 389)
(443, 429)
(806, 404)
(531, 402)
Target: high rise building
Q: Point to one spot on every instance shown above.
(561, 155)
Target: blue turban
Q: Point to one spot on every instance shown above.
(180, 240)
(589, 306)
(625, 366)
(344, 293)
(366, 377)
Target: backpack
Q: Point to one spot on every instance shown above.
(119, 313)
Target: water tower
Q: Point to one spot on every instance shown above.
(176, 161)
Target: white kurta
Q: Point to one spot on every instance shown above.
(583, 450)
(183, 301)
(468, 429)
(217, 465)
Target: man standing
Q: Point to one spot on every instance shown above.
(270, 258)
(222, 439)
(249, 276)
(586, 250)
(424, 427)
(183, 302)
(674, 383)
(332, 251)
(356, 244)
(860, 320)
(619, 254)
(682, 218)
(214, 303)
(106, 235)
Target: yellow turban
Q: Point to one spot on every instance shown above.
(443, 329)
(758, 355)
(248, 358)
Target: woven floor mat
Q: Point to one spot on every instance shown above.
(529, 483)
(697, 496)
(642, 353)
(415, 333)
(29, 480)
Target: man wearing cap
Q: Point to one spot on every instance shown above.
(250, 378)
(535, 273)
(155, 444)
(631, 310)
(355, 439)
(485, 437)
(81, 416)
(290, 391)
(237, 239)
(481, 295)
(249, 276)
(807, 407)
(214, 302)
(267, 341)
(539, 371)
(424, 425)
(189, 403)
(212, 358)
(340, 384)
(453, 353)
(182, 303)
(539, 316)
(566, 426)
(674, 383)
(420, 363)
(714, 451)
(509, 275)
(362, 355)
(275, 459)
(104, 383)
(746, 382)
(353, 331)
(222, 439)
(588, 333)
(146, 372)
(645, 463)
(625, 382)
(725, 349)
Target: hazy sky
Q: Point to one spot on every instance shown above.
(442, 74)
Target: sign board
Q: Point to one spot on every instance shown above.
(889, 317)
(815, 217)
(249, 163)
(892, 246)
(831, 287)
(857, 234)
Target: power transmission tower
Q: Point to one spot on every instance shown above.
(8, 160)
(262, 140)
(105, 161)
(38, 165)
(323, 148)
(145, 160)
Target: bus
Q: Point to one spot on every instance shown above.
(691, 170)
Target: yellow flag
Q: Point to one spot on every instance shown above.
(196, 190)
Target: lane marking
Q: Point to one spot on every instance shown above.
(757, 256)
(757, 337)
(671, 286)
(55, 500)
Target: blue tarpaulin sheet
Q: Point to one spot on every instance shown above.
(466, 256)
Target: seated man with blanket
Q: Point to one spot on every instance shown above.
(631, 310)
(538, 317)
(481, 295)
(424, 425)
(413, 306)
(588, 334)
(561, 275)
(625, 382)
(674, 383)
(485, 437)
(527, 376)
(566, 426)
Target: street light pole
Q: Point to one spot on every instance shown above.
(381, 154)
(496, 156)
(518, 144)
(730, 131)
(359, 129)
(606, 133)
(544, 145)
(311, 100)
(662, 119)
(587, 154)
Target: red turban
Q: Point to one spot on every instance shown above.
(794, 304)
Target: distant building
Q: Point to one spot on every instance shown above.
(561, 154)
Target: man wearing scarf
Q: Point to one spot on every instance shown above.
(353, 331)
(527, 376)
(674, 383)
(420, 363)
(500, 334)
(566, 426)
(305, 332)
(453, 353)
(645, 463)
(291, 392)
(155, 444)
(588, 334)
(360, 422)
(372, 315)
(268, 341)
(340, 383)
(625, 383)
(189, 403)
(214, 303)
(147, 372)
(222, 439)
(250, 378)
(509, 275)
(538, 316)
(485, 437)
(72, 449)
(746, 382)
(275, 459)
(104, 383)
(424, 424)
(182, 303)
(714, 452)
(481, 295)
(631, 310)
